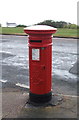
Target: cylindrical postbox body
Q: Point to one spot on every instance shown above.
(40, 62)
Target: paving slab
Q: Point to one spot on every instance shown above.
(12, 102)
(67, 109)
(15, 105)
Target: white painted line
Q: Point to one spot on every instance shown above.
(3, 81)
(25, 86)
(22, 85)
(74, 96)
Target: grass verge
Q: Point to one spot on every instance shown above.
(61, 32)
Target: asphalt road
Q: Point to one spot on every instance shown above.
(15, 68)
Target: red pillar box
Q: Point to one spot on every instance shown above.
(40, 62)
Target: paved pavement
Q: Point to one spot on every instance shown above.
(15, 106)
(15, 75)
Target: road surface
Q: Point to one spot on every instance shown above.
(15, 68)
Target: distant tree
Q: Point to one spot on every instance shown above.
(21, 25)
(0, 24)
(58, 24)
(46, 22)
(77, 26)
(71, 26)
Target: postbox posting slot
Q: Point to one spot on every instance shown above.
(36, 41)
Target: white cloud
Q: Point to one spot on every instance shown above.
(34, 11)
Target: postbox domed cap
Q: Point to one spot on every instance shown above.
(40, 29)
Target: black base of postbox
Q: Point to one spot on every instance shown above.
(40, 98)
